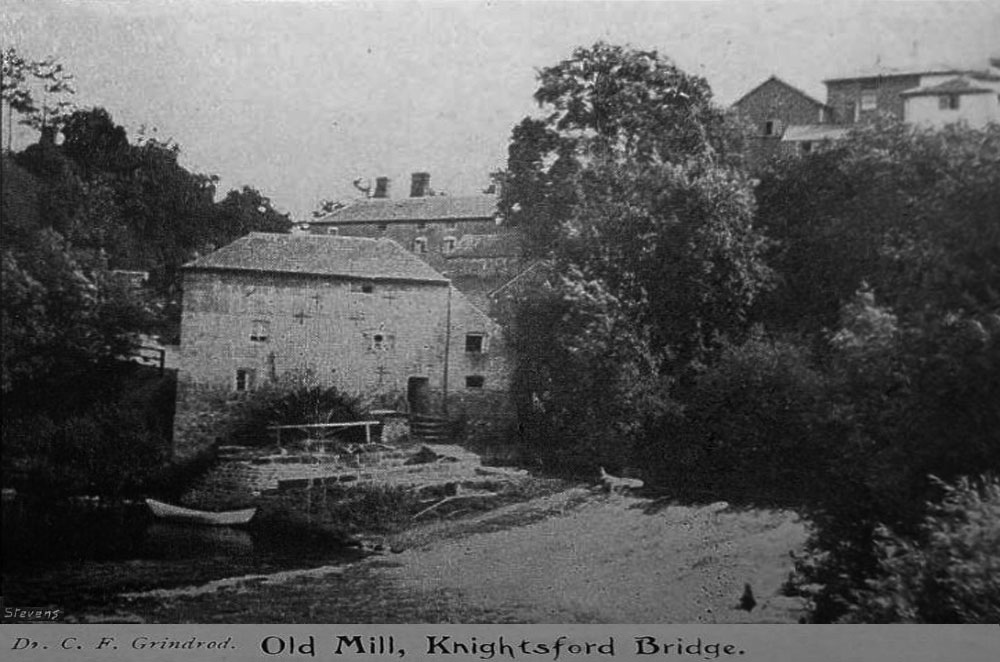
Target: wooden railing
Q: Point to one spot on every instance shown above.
(334, 427)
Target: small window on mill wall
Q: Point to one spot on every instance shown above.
(379, 340)
(260, 331)
(244, 379)
(474, 343)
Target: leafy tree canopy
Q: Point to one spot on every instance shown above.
(36, 90)
(629, 178)
(248, 210)
(135, 201)
(75, 211)
(911, 212)
(93, 140)
(613, 104)
(62, 313)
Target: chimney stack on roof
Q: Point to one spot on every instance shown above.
(381, 187)
(420, 184)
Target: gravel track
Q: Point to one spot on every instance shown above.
(573, 557)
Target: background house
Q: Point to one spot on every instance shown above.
(430, 226)
(361, 314)
(481, 263)
(975, 101)
(788, 120)
(772, 108)
(931, 96)
(861, 96)
(462, 237)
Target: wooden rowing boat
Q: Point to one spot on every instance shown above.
(208, 518)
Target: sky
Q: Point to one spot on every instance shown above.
(298, 99)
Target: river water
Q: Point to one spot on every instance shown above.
(69, 556)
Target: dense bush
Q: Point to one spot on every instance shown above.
(109, 450)
(912, 212)
(914, 377)
(294, 399)
(758, 419)
(948, 573)
(921, 398)
(587, 387)
(916, 399)
(61, 314)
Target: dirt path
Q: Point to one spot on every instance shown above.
(575, 556)
(617, 560)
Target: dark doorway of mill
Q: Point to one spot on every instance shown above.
(418, 395)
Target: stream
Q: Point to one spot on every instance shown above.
(73, 556)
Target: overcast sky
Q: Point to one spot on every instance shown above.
(299, 98)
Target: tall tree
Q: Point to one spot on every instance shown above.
(16, 96)
(607, 104)
(627, 186)
(37, 90)
(55, 85)
(678, 242)
(247, 210)
(629, 175)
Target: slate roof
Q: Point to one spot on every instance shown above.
(320, 255)
(802, 132)
(524, 275)
(807, 96)
(423, 209)
(952, 86)
(507, 244)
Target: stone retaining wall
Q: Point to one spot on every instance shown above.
(243, 476)
(241, 480)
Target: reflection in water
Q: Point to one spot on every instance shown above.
(164, 540)
(44, 533)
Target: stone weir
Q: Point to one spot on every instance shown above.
(246, 475)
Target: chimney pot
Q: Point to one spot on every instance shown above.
(381, 187)
(420, 184)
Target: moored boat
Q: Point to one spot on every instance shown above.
(167, 511)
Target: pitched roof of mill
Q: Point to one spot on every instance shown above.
(320, 255)
(422, 209)
(786, 84)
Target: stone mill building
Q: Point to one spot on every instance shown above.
(362, 314)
